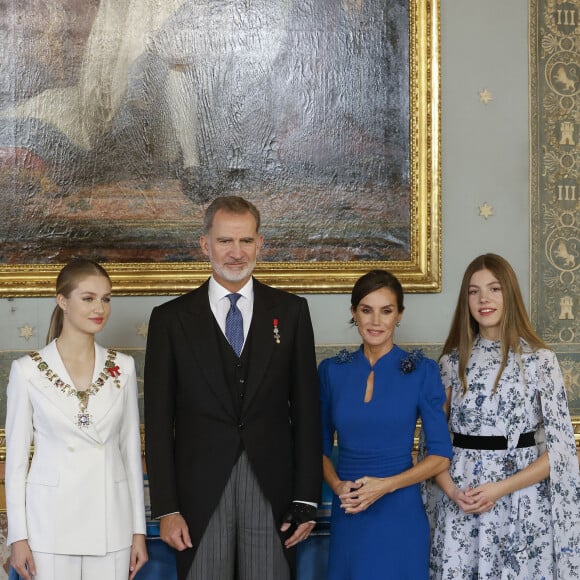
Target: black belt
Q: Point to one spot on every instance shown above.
(491, 442)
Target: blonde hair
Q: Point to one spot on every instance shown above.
(67, 280)
(515, 323)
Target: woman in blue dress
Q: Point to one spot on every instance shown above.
(371, 399)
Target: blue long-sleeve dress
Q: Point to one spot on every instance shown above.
(389, 540)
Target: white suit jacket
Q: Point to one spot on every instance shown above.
(83, 492)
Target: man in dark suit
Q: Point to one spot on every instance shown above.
(232, 414)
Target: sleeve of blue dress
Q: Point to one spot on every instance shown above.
(434, 438)
(433, 419)
(564, 473)
(326, 408)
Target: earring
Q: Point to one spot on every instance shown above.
(398, 323)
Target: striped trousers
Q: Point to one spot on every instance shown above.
(241, 540)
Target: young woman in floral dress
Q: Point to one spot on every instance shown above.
(510, 507)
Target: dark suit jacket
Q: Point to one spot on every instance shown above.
(193, 430)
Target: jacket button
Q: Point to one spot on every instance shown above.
(241, 426)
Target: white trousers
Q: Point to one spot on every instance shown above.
(111, 566)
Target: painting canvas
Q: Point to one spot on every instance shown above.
(121, 121)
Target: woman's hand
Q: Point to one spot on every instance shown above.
(483, 497)
(365, 491)
(343, 490)
(21, 559)
(460, 497)
(138, 555)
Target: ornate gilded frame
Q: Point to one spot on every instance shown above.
(421, 273)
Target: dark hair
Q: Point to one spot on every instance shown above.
(515, 323)
(231, 204)
(68, 280)
(375, 280)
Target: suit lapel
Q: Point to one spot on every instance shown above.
(199, 326)
(102, 403)
(262, 344)
(64, 403)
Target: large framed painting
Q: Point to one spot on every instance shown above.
(121, 121)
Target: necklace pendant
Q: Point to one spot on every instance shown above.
(84, 419)
(83, 397)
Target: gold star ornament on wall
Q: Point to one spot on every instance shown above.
(485, 210)
(485, 96)
(26, 332)
(142, 329)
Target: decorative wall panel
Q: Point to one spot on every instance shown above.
(555, 184)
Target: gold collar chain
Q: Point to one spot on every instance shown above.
(110, 370)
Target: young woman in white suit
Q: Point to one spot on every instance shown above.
(76, 511)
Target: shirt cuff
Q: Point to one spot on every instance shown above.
(313, 504)
(169, 514)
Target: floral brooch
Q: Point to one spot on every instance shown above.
(343, 356)
(409, 363)
(276, 331)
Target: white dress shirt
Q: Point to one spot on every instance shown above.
(220, 303)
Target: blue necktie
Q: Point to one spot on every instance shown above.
(235, 324)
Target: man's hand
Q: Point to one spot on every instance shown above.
(174, 532)
(301, 516)
(301, 533)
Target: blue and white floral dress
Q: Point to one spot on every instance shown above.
(533, 533)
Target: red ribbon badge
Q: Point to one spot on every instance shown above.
(114, 371)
